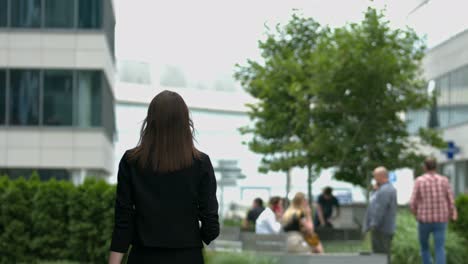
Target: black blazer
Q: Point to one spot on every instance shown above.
(164, 209)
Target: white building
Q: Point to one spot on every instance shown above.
(447, 66)
(56, 96)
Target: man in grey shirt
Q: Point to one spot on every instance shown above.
(381, 213)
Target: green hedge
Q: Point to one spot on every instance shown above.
(461, 225)
(405, 246)
(55, 220)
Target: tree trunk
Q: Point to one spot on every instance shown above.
(288, 183)
(309, 185)
(369, 186)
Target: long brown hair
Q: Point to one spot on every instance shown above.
(166, 137)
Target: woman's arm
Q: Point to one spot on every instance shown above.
(208, 203)
(124, 214)
(306, 221)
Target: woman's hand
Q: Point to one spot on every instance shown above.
(115, 257)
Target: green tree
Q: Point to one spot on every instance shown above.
(335, 98)
(281, 82)
(367, 76)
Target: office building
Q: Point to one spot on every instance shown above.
(446, 67)
(56, 95)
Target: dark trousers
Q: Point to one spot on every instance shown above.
(382, 243)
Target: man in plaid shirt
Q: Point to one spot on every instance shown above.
(433, 205)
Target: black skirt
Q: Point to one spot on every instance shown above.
(151, 255)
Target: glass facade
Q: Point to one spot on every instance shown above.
(90, 13)
(2, 96)
(24, 97)
(59, 13)
(452, 102)
(56, 14)
(3, 13)
(89, 99)
(26, 13)
(71, 98)
(58, 98)
(457, 172)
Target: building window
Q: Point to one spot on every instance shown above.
(26, 13)
(89, 98)
(58, 98)
(2, 96)
(89, 13)
(59, 13)
(24, 97)
(3, 13)
(108, 121)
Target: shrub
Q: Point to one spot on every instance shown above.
(90, 226)
(4, 182)
(16, 222)
(461, 225)
(55, 220)
(49, 220)
(405, 246)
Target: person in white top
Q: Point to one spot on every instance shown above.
(268, 222)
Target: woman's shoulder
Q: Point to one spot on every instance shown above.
(202, 157)
(128, 154)
(128, 158)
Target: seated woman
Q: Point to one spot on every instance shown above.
(297, 222)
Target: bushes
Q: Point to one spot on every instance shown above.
(49, 220)
(55, 220)
(405, 246)
(461, 225)
(92, 225)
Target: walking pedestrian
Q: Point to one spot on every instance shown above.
(433, 205)
(165, 189)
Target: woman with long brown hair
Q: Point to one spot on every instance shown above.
(166, 192)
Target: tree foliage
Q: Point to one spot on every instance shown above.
(336, 97)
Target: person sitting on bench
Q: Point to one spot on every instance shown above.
(268, 222)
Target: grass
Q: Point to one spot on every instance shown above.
(347, 246)
(236, 258)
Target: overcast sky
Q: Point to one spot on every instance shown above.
(206, 38)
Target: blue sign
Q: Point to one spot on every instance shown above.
(451, 150)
